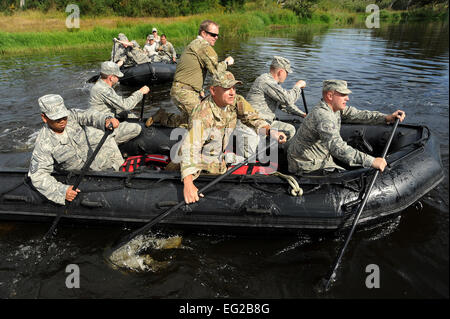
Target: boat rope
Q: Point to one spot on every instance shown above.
(126, 184)
(314, 189)
(23, 182)
(259, 187)
(295, 189)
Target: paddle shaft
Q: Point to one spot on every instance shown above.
(167, 53)
(163, 215)
(361, 208)
(114, 51)
(142, 108)
(86, 166)
(304, 101)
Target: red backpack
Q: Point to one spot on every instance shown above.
(132, 163)
(256, 168)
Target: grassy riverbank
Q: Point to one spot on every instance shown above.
(30, 31)
(98, 32)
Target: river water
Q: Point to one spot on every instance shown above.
(396, 66)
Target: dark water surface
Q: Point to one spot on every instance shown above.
(401, 66)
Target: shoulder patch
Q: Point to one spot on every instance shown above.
(34, 165)
(327, 126)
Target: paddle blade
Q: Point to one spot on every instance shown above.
(93, 79)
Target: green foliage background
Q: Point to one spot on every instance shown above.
(173, 8)
(236, 18)
(130, 8)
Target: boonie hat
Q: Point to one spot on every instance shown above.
(154, 29)
(110, 68)
(52, 105)
(336, 85)
(224, 79)
(281, 63)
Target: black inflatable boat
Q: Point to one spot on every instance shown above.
(145, 74)
(246, 200)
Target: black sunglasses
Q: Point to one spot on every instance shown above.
(214, 35)
(57, 120)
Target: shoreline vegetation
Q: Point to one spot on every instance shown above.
(31, 30)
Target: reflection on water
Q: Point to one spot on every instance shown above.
(131, 256)
(396, 66)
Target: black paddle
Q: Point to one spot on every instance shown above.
(93, 78)
(304, 102)
(86, 165)
(170, 57)
(361, 208)
(163, 215)
(142, 108)
(114, 50)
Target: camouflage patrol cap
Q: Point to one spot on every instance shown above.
(336, 85)
(279, 62)
(110, 68)
(150, 37)
(224, 79)
(52, 105)
(122, 37)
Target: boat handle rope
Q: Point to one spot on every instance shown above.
(255, 184)
(419, 142)
(410, 153)
(295, 189)
(126, 184)
(23, 182)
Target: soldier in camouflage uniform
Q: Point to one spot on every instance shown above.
(197, 59)
(318, 139)
(166, 50)
(210, 126)
(135, 55)
(118, 53)
(150, 48)
(65, 144)
(105, 100)
(267, 95)
(156, 36)
(129, 53)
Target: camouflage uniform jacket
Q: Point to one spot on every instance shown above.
(136, 56)
(318, 139)
(69, 151)
(266, 95)
(209, 131)
(150, 49)
(130, 55)
(198, 58)
(167, 50)
(105, 100)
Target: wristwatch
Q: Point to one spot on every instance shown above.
(110, 126)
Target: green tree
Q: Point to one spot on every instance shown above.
(302, 8)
